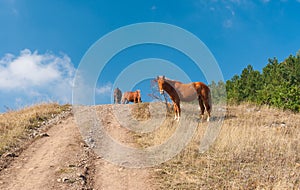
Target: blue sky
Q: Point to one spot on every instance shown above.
(42, 42)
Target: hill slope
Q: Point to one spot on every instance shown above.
(257, 147)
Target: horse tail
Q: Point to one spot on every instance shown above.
(209, 100)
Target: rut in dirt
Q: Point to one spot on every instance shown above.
(62, 160)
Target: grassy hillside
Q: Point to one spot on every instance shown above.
(257, 148)
(16, 125)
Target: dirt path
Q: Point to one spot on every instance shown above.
(63, 161)
(109, 176)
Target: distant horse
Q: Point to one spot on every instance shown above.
(186, 93)
(117, 96)
(132, 97)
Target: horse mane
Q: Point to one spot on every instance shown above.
(171, 80)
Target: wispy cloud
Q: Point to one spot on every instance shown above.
(104, 90)
(31, 75)
(236, 1)
(10, 6)
(229, 8)
(153, 8)
(223, 11)
(227, 23)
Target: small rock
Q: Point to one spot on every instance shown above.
(65, 179)
(58, 180)
(34, 134)
(44, 135)
(10, 154)
(78, 174)
(82, 176)
(283, 124)
(83, 145)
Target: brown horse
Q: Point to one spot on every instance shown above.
(186, 93)
(132, 97)
(117, 96)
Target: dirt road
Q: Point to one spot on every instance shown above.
(60, 159)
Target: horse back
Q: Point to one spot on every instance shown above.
(201, 86)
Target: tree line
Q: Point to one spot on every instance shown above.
(277, 85)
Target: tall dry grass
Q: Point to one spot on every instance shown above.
(15, 125)
(257, 148)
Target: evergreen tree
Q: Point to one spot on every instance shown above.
(278, 85)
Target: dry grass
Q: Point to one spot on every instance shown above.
(257, 148)
(15, 125)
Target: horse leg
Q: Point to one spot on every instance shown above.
(202, 108)
(208, 108)
(175, 110)
(178, 111)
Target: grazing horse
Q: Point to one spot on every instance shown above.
(186, 92)
(117, 96)
(131, 97)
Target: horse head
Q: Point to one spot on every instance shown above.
(160, 81)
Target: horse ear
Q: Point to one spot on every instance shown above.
(164, 77)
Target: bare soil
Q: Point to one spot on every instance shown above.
(60, 159)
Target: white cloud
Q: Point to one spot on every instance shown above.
(31, 75)
(227, 23)
(236, 1)
(153, 8)
(225, 11)
(231, 10)
(104, 90)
